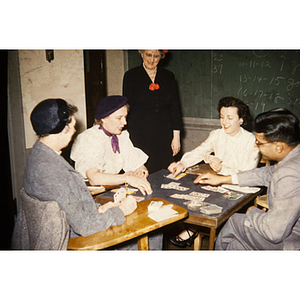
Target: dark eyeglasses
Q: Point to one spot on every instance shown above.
(259, 143)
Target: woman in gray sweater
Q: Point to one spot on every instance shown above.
(49, 177)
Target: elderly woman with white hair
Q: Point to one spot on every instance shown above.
(154, 119)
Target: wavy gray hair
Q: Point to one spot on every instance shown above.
(162, 54)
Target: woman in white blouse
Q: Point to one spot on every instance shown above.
(233, 148)
(105, 149)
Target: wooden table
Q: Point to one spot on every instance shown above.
(212, 222)
(137, 224)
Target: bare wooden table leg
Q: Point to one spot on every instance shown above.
(197, 242)
(212, 238)
(143, 243)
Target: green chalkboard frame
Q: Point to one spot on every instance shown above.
(264, 79)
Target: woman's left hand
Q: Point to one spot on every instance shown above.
(103, 208)
(216, 164)
(175, 144)
(141, 172)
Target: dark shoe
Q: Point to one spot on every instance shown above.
(178, 241)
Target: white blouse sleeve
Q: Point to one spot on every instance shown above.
(252, 155)
(197, 155)
(86, 152)
(133, 157)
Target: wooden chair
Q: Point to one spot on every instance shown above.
(261, 201)
(40, 225)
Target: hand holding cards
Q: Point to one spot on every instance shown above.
(119, 195)
(126, 203)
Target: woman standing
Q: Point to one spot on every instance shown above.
(154, 120)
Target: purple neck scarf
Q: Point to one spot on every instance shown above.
(114, 139)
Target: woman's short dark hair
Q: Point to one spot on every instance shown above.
(278, 125)
(72, 110)
(243, 108)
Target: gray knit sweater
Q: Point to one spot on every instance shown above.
(49, 177)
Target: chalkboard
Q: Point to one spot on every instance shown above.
(264, 79)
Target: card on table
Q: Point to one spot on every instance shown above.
(216, 189)
(171, 176)
(165, 212)
(211, 209)
(174, 186)
(232, 195)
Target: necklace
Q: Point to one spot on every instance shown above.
(151, 73)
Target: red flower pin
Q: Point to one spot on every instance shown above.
(153, 86)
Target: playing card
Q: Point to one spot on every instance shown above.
(155, 205)
(188, 197)
(177, 196)
(193, 205)
(197, 194)
(128, 190)
(214, 189)
(171, 176)
(222, 190)
(119, 195)
(194, 198)
(232, 195)
(181, 188)
(174, 186)
(211, 209)
(208, 188)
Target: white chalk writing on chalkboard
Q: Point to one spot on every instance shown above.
(264, 79)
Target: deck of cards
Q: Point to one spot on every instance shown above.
(211, 209)
(194, 205)
(155, 205)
